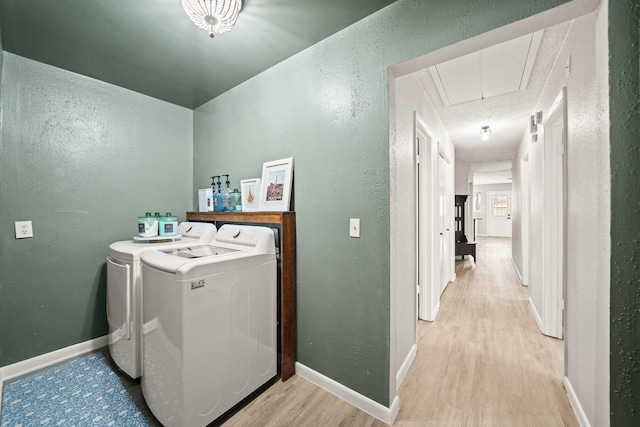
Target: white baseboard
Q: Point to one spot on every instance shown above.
(25, 367)
(19, 369)
(575, 403)
(402, 372)
(361, 402)
(515, 267)
(453, 278)
(535, 314)
(393, 411)
(436, 310)
(431, 317)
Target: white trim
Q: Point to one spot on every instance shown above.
(361, 402)
(575, 403)
(554, 215)
(393, 410)
(402, 372)
(434, 313)
(515, 267)
(25, 367)
(535, 313)
(534, 45)
(454, 277)
(425, 219)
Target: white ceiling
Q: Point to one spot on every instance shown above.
(507, 114)
(494, 71)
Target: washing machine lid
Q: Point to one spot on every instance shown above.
(193, 233)
(177, 259)
(203, 232)
(246, 238)
(191, 252)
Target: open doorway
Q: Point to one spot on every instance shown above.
(429, 164)
(586, 180)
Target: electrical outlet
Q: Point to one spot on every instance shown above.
(24, 229)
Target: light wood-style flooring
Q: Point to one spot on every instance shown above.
(483, 362)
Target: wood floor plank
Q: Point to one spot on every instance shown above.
(484, 355)
(483, 362)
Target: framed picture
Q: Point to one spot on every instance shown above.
(250, 190)
(275, 191)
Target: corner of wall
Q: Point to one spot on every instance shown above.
(624, 103)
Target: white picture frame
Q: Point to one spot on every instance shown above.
(250, 190)
(275, 193)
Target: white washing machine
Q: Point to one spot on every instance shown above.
(124, 291)
(210, 325)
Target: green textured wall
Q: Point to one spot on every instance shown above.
(328, 108)
(1, 60)
(81, 159)
(624, 104)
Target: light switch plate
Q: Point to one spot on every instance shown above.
(354, 227)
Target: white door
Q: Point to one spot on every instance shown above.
(499, 214)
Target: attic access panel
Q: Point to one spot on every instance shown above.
(493, 71)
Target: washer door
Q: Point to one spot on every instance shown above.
(119, 298)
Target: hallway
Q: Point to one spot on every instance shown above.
(484, 361)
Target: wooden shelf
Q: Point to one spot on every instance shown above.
(287, 223)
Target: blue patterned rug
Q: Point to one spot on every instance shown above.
(81, 392)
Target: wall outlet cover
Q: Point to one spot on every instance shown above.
(24, 229)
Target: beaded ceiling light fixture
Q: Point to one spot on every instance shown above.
(217, 16)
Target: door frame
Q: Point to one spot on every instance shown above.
(525, 176)
(428, 302)
(444, 215)
(554, 222)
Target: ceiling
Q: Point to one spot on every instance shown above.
(152, 47)
(505, 110)
(501, 176)
(493, 71)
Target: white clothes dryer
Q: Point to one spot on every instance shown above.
(210, 325)
(124, 291)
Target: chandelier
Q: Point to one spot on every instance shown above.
(217, 16)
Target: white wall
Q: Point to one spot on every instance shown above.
(601, 244)
(487, 167)
(408, 97)
(462, 178)
(587, 216)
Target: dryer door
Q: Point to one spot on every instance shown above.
(119, 298)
